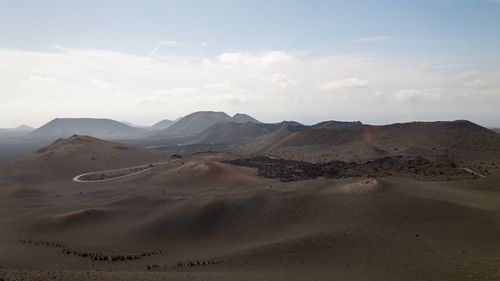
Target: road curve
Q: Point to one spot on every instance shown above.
(473, 172)
(146, 167)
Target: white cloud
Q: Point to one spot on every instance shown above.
(249, 59)
(341, 84)
(42, 79)
(423, 66)
(282, 81)
(100, 83)
(273, 86)
(477, 83)
(418, 95)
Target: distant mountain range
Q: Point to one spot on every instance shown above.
(187, 126)
(450, 141)
(16, 142)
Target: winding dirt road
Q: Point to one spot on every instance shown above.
(473, 172)
(108, 175)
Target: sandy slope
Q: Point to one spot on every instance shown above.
(75, 155)
(215, 221)
(458, 141)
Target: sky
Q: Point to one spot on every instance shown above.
(379, 62)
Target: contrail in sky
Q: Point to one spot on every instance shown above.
(163, 43)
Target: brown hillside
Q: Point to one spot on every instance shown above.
(186, 229)
(66, 158)
(203, 170)
(243, 133)
(457, 141)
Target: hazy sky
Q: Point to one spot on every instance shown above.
(141, 61)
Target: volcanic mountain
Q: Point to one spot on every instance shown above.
(233, 133)
(456, 141)
(21, 128)
(243, 118)
(77, 154)
(163, 124)
(196, 122)
(16, 132)
(102, 128)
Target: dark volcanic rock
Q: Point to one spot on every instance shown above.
(289, 170)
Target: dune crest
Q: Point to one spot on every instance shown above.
(359, 186)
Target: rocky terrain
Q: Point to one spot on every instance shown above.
(226, 209)
(290, 170)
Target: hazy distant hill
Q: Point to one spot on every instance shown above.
(243, 118)
(237, 133)
(15, 132)
(163, 124)
(24, 128)
(65, 127)
(196, 122)
(496, 130)
(13, 143)
(21, 128)
(337, 125)
(135, 125)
